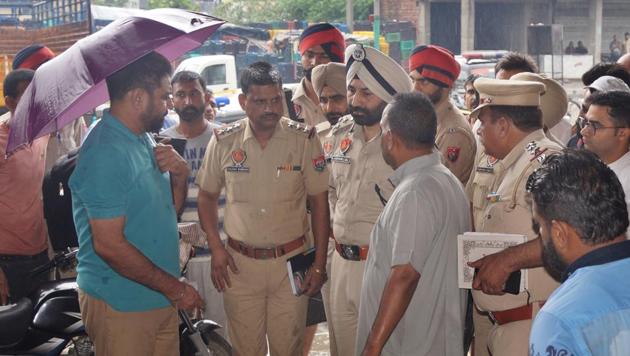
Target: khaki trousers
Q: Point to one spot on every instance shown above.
(511, 339)
(260, 306)
(483, 325)
(114, 333)
(345, 294)
(326, 299)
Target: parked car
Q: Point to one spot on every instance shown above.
(475, 62)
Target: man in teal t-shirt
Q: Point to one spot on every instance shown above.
(126, 190)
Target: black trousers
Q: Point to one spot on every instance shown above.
(17, 270)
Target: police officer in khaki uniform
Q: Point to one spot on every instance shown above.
(511, 131)
(319, 44)
(434, 71)
(553, 104)
(329, 83)
(358, 171)
(269, 166)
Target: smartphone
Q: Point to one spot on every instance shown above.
(179, 144)
(513, 283)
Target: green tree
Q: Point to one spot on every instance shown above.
(177, 4)
(242, 11)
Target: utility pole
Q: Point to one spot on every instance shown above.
(377, 24)
(349, 15)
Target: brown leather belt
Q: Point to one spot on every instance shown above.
(511, 315)
(265, 253)
(352, 252)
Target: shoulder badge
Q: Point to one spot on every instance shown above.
(301, 128)
(535, 152)
(344, 121)
(452, 153)
(229, 129)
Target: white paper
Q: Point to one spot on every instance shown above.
(472, 246)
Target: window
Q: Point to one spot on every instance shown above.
(214, 75)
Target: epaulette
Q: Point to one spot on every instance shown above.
(301, 128)
(344, 121)
(229, 129)
(538, 152)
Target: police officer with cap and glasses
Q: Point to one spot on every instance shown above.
(319, 44)
(269, 166)
(359, 179)
(433, 70)
(511, 131)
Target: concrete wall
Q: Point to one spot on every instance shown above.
(577, 17)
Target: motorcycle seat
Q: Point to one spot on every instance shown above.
(14, 322)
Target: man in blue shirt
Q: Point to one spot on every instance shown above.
(126, 191)
(581, 215)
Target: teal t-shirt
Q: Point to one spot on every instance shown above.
(117, 175)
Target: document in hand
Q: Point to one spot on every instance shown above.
(472, 246)
(297, 267)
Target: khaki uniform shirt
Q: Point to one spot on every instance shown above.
(266, 188)
(305, 109)
(482, 179)
(455, 140)
(356, 166)
(509, 211)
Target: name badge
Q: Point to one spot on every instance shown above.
(485, 169)
(340, 159)
(239, 169)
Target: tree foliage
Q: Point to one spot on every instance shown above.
(153, 4)
(176, 4)
(242, 11)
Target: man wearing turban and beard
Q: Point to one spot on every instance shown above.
(319, 44)
(359, 186)
(434, 70)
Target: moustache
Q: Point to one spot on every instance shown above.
(356, 110)
(270, 116)
(333, 117)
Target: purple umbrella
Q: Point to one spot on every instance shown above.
(73, 83)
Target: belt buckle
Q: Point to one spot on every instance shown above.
(492, 318)
(351, 252)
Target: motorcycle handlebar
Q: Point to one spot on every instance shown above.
(60, 259)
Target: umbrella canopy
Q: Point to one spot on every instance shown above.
(73, 83)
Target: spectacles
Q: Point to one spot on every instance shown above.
(594, 126)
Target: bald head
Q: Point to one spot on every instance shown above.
(625, 61)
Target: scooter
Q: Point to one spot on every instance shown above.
(48, 322)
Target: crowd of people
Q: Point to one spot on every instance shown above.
(379, 174)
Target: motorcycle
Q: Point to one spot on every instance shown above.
(48, 322)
